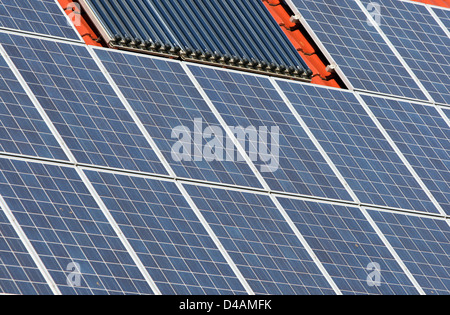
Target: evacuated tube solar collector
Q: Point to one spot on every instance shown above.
(234, 34)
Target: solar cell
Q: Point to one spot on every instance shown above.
(68, 230)
(444, 16)
(18, 272)
(357, 47)
(423, 136)
(81, 104)
(166, 234)
(260, 242)
(165, 99)
(447, 112)
(421, 42)
(423, 244)
(247, 100)
(357, 147)
(347, 246)
(38, 16)
(22, 129)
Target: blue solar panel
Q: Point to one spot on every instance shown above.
(65, 226)
(22, 129)
(447, 112)
(81, 104)
(357, 147)
(247, 100)
(167, 236)
(346, 244)
(357, 47)
(261, 243)
(423, 136)
(421, 41)
(18, 272)
(444, 16)
(164, 98)
(424, 246)
(37, 16)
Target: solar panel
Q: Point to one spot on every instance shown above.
(423, 244)
(81, 104)
(260, 242)
(18, 273)
(423, 136)
(447, 112)
(67, 228)
(346, 244)
(357, 48)
(165, 99)
(22, 129)
(248, 36)
(444, 16)
(421, 42)
(357, 147)
(167, 236)
(247, 100)
(38, 16)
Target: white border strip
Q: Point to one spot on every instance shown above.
(170, 171)
(119, 232)
(263, 182)
(443, 114)
(393, 252)
(26, 242)
(400, 154)
(395, 51)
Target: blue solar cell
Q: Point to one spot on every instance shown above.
(167, 236)
(22, 129)
(18, 272)
(423, 136)
(447, 112)
(421, 41)
(247, 100)
(346, 244)
(424, 246)
(164, 98)
(444, 16)
(37, 16)
(261, 243)
(65, 226)
(81, 104)
(358, 48)
(357, 147)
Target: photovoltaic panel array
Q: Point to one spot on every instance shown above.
(357, 47)
(357, 147)
(22, 129)
(247, 100)
(444, 16)
(423, 244)
(346, 244)
(81, 104)
(66, 227)
(18, 272)
(421, 42)
(423, 136)
(167, 236)
(166, 100)
(260, 242)
(44, 17)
